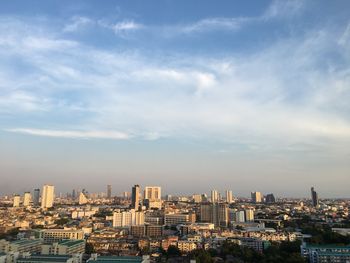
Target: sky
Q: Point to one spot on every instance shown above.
(189, 95)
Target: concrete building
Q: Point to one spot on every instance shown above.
(177, 219)
(314, 197)
(256, 197)
(214, 197)
(128, 218)
(48, 196)
(153, 197)
(50, 259)
(240, 217)
(135, 197)
(16, 201)
(229, 196)
(56, 235)
(64, 247)
(216, 213)
(36, 197)
(109, 191)
(82, 199)
(325, 253)
(249, 215)
(27, 199)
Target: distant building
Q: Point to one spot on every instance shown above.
(27, 198)
(314, 197)
(135, 197)
(50, 259)
(109, 191)
(240, 217)
(176, 219)
(249, 215)
(47, 197)
(256, 197)
(270, 199)
(229, 197)
(82, 199)
(214, 197)
(153, 197)
(16, 201)
(36, 197)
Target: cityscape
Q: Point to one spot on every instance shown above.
(141, 225)
(174, 131)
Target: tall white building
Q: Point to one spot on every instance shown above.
(27, 198)
(229, 197)
(16, 201)
(128, 218)
(249, 215)
(153, 197)
(240, 217)
(47, 196)
(214, 196)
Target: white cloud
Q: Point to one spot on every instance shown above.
(73, 134)
(123, 27)
(216, 23)
(77, 23)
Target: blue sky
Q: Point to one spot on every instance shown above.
(251, 96)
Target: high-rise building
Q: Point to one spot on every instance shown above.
(214, 196)
(240, 217)
(197, 198)
(216, 213)
(314, 197)
(128, 218)
(109, 191)
(270, 198)
(82, 199)
(27, 198)
(48, 196)
(153, 197)
(135, 197)
(16, 201)
(74, 194)
(249, 215)
(229, 197)
(256, 197)
(36, 197)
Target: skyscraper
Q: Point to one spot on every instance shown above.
(109, 191)
(214, 196)
(16, 201)
(27, 198)
(47, 197)
(229, 197)
(215, 213)
(314, 197)
(256, 197)
(135, 197)
(36, 197)
(153, 197)
(82, 199)
(270, 198)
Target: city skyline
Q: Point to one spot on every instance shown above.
(177, 94)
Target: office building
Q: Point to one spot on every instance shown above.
(197, 198)
(27, 199)
(314, 197)
(256, 197)
(48, 196)
(135, 197)
(128, 218)
(214, 197)
(16, 201)
(36, 197)
(77, 258)
(229, 197)
(153, 197)
(109, 191)
(22, 246)
(240, 217)
(270, 199)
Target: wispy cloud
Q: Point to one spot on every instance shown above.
(73, 134)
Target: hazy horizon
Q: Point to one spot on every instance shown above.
(188, 95)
